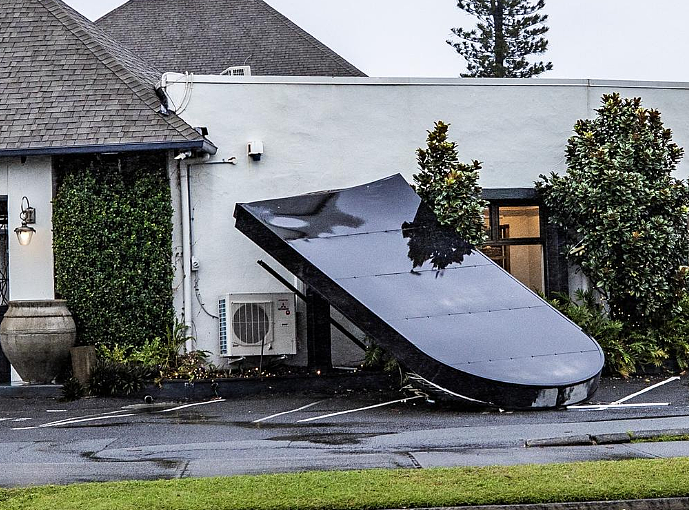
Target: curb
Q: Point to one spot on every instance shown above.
(600, 439)
(634, 504)
(30, 391)
(578, 440)
(182, 390)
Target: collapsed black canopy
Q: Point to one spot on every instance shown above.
(463, 325)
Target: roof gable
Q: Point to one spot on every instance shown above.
(67, 86)
(208, 36)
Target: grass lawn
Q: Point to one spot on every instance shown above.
(660, 439)
(629, 479)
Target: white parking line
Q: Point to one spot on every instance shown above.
(287, 412)
(192, 405)
(359, 409)
(600, 407)
(619, 404)
(72, 421)
(675, 378)
(103, 416)
(65, 420)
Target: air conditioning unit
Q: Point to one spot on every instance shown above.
(255, 323)
(237, 71)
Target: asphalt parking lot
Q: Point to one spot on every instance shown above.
(46, 441)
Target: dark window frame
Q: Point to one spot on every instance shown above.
(552, 239)
(494, 238)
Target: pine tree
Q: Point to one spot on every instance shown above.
(506, 33)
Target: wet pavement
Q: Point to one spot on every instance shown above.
(45, 441)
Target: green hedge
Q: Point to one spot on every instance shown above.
(112, 243)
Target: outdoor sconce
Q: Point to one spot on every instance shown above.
(28, 217)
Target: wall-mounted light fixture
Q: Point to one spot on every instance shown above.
(28, 217)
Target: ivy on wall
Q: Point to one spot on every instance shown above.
(112, 221)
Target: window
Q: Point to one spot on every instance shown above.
(516, 241)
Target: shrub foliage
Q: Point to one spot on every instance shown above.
(110, 379)
(628, 350)
(112, 244)
(627, 214)
(450, 187)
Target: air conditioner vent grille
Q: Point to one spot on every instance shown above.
(222, 315)
(237, 71)
(251, 322)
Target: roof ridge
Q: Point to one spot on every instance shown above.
(107, 14)
(308, 38)
(168, 34)
(60, 11)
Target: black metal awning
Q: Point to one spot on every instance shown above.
(462, 324)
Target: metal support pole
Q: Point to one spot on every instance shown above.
(318, 338)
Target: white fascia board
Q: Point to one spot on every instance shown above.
(170, 78)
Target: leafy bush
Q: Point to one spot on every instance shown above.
(376, 358)
(114, 354)
(111, 379)
(112, 244)
(629, 349)
(163, 353)
(158, 359)
(450, 188)
(626, 213)
(72, 390)
(192, 365)
(674, 335)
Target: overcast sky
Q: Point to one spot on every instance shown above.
(605, 39)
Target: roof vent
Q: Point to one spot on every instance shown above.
(237, 71)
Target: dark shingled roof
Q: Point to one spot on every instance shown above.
(67, 87)
(208, 36)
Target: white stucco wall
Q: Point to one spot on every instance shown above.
(31, 273)
(4, 170)
(331, 133)
(31, 267)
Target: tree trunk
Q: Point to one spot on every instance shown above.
(499, 48)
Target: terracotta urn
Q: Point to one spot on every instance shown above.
(36, 337)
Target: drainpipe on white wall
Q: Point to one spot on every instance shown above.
(186, 249)
(187, 286)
